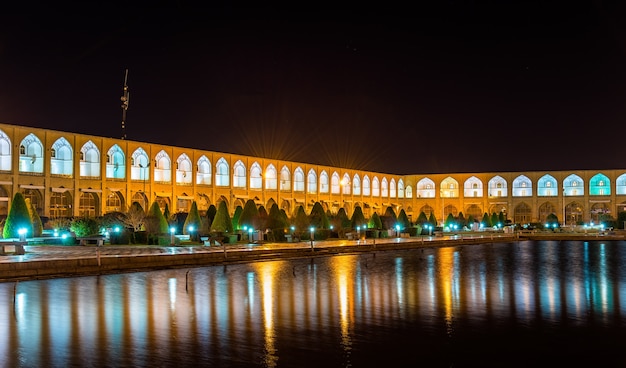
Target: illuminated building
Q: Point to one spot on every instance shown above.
(68, 174)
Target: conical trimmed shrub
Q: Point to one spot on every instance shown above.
(18, 218)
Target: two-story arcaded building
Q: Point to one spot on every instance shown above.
(68, 174)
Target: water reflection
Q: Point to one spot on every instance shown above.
(435, 307)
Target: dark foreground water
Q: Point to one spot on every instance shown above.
(524, 304)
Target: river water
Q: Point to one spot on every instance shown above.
(519, 304)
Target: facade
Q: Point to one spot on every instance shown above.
(67, 174)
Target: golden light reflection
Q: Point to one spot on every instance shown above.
(267, 273)
(343, 268)
(446, 276)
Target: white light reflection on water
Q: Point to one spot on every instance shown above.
(439, 307)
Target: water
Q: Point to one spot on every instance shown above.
(520, 304)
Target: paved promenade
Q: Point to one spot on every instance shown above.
(49, 261)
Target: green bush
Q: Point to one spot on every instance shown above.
(84, 226)
(18, 218)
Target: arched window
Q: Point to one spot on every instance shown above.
(5, 152)
(256, 179)
(116, 163)
(334, 184)
(183, 169)
(356, 185)
(61, 158)
(222, 175)
(285, 179)
(324, 184)
(366, 186)
(162, 167)
(139, 165)
(298, 180)
(89, 160)
(203, 174)
(312, 182)
(239, 175)
(270, 177)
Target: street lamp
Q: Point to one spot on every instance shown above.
(397, 230)
(250, 234)
(190, 229)
(172, 232)
(312, 235)
(358, 233)
(22, 233)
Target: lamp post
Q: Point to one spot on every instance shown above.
(172, 232)
(190, 229)
(312, 235)
(250, 234)
(564, 219)
(22, 233)
(397, 230)
(358, 234)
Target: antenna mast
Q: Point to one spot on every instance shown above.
(125, 99)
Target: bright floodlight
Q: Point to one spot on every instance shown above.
(172, 230)
(22, 231)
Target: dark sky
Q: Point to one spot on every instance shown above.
(463, 86)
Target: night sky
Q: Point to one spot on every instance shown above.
(463, 86)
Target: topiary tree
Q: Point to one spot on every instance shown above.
(403, 220)
(35, 219)
(249, 216)
(301, 222)
(18, 218)
(210, 215)
(450, 221)
(193, 222)
(166, 212)
(389, 219)
(275, 219)
(222, 223)
(358, 218)
(317, 217)
(432, 220)
(375, 222)
(344, 221)
(155, 223)
(262, 218)
(422, 219)
(486, 222)
(236, 216)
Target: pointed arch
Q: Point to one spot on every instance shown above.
(324, 182)
(31, 154)
(271, 176)
(473, 187)
(203, 172)
(573, 185)
(5, 152)
(335, 186)
(183, 169)
(285, 178)
(256, 177)
(497, 187)
(222, 174)
(522, 187)
(298, 180)
(547, 186)
(425, 188)
(89, 160)
(356, 185)
(139, 166)
(599, 185)
(116, 163)
(312, 182)
(366, 186)
(61, 158)
(162, 167)
(239, 174)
